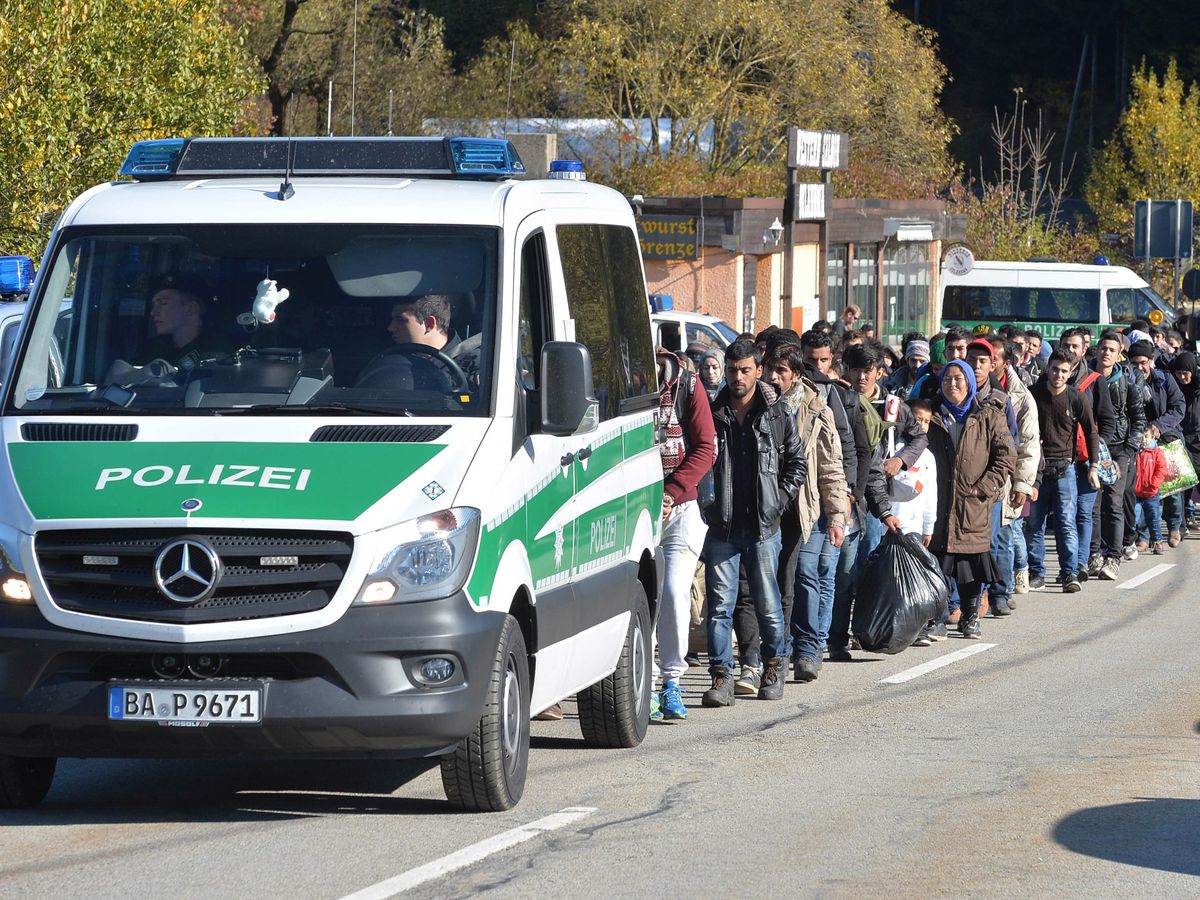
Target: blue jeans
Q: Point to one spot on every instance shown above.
(827, 572)
(1085, 505)
(1020, 550)
(1057, 494)
(845, 586)
(1149, 512)
(1002, 555)
(722, 560)
(873, 531)
(808, 596)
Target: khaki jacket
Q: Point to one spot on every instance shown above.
(1029, 444)
(971, 477)
(825, 490)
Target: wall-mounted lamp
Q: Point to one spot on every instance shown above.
(774, 232)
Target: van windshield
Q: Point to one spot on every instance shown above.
(222, 318)
(968, 303)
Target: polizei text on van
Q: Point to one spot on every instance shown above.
(279, 477)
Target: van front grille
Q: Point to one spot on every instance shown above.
(260, 574)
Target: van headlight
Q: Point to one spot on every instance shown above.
(14, 586)
(423, 559)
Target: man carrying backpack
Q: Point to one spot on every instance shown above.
(687, 448)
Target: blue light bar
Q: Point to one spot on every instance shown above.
(16, 274)
(388, 157)
(153, 159)
(661, 302)
(476, 156)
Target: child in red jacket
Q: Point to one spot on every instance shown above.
(1151, 473)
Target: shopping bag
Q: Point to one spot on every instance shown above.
(902, 588)
(1181, 474)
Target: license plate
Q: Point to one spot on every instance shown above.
(184, 706)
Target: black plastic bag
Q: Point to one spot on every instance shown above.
(902, 588)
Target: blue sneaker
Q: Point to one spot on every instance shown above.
(672, 703)
(655, 707)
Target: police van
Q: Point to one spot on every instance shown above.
(1047, 296)
(346, 448)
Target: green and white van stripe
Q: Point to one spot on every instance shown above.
(621, 478)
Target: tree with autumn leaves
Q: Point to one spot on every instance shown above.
(84, 79)
(1155, 153)
(717, 81)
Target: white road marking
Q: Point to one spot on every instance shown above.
(469, 855)
(1145, 576)
(926, 667)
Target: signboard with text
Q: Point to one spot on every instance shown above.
(818, 149)
(810, 203)
(669, 237)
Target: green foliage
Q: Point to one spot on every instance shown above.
(84, 79)
(1154, 154)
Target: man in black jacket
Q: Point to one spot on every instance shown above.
(1116, 500)
(869, 499)
(759, 470)
(1093, 387)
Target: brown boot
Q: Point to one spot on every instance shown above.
(773, 677)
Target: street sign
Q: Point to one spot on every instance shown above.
(818, 149)
(810, 202)
(1162, 229)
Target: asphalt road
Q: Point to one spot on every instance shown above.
(1064, 760)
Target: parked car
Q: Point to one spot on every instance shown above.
(674, 330)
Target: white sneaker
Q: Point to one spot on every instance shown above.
(1021, 581)
(1130, 552)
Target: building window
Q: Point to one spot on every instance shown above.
(863, 280)
(835, 280)
(905, 289)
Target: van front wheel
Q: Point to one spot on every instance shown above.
(486, 771)
(615, 712)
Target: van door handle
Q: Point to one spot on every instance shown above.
(567, 459)
(584, 453)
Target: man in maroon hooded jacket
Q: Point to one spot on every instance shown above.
(688, 444)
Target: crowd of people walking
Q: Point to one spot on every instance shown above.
(787, 457)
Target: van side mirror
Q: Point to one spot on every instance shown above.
(568, 404)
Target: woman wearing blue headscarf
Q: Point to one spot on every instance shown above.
(974, 451)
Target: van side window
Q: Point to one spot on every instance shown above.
(607, 298)
(1120, 305)
(535, 295)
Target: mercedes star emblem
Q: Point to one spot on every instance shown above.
(186, 571)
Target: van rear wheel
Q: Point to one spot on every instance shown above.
(615, 712)
(24, 782)
(486, 771)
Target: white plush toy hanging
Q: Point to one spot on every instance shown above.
(266, 299)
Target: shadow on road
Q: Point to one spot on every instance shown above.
(1151, 832)
(119, 790)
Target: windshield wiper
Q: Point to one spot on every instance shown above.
(317, 409)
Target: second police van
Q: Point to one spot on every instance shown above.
(1047, 296)
(346, 447)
